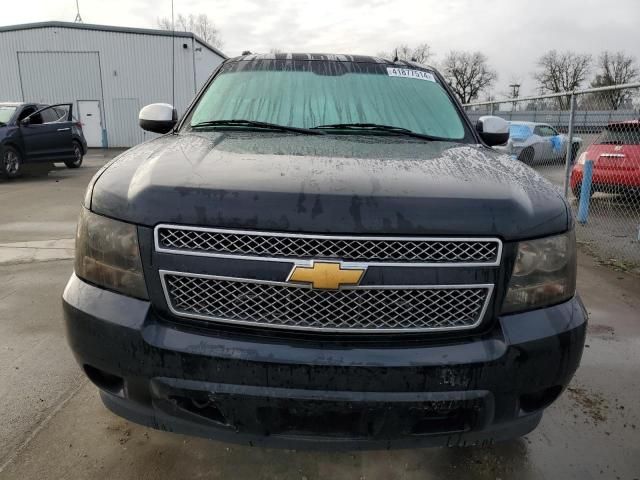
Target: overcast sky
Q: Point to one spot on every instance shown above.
(512, 33)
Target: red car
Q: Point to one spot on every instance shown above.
(616, 160)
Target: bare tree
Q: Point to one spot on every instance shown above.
(468, 74)
(562, 72)
(202, 25)
(615, 68)
(420, 53)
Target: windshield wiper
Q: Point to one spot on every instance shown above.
(256, 124)
(373, 127)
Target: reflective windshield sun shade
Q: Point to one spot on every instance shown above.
(339, 94)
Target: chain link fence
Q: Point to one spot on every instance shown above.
(587, 143)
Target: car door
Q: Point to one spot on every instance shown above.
(558, 143)
(46, 133)
(62, 116)
(553, 141)
(28, 135)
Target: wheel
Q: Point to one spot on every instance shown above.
(11, 163)
(77, 157)
(526, 155)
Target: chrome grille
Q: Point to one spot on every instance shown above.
(357, 309)
(218, 242)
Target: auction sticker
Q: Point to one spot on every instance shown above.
(408, 73)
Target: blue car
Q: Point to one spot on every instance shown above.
(32, 133)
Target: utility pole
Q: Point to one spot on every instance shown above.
(78, 17)
(515, 92)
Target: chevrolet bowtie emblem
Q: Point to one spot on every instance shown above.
(326, 275)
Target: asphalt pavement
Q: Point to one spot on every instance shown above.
(52, 424)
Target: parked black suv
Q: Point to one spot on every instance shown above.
(324, 250)
(32, 133)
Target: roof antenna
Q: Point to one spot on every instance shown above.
(173, 59)
(78, 17)
(395, 58)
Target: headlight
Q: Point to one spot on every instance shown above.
(107, 254)
(544, 273)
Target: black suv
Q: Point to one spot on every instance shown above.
(32, 133)
(325, 251)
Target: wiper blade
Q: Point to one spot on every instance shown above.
(255, 124)
(380, 128)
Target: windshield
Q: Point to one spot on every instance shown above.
(6, 113)
(308, 94)
(623, 133)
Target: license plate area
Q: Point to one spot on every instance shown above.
(368, 420)
(610, 162)
(287, 413)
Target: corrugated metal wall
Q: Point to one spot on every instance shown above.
(127, 129)
(53, 77)
(128, 70)
(205, 63)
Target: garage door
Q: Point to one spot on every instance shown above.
(59, 77)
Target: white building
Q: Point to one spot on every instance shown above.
(109, 73)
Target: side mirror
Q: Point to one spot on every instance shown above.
(493, 130)
(25, 121)
(158, 118)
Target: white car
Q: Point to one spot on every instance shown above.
(533, 142)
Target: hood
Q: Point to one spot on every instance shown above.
(8, 132)
(328, 184)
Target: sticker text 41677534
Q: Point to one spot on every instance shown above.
(408, 73)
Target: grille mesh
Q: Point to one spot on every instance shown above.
(366, 249)
(344, 310)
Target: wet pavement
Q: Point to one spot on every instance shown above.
(53, 424)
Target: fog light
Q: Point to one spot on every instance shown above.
(530, 402)
(104, 381)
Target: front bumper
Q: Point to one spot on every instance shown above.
(275, 392)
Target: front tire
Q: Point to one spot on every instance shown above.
(526, 155)
(11, 163)
(77, 157)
